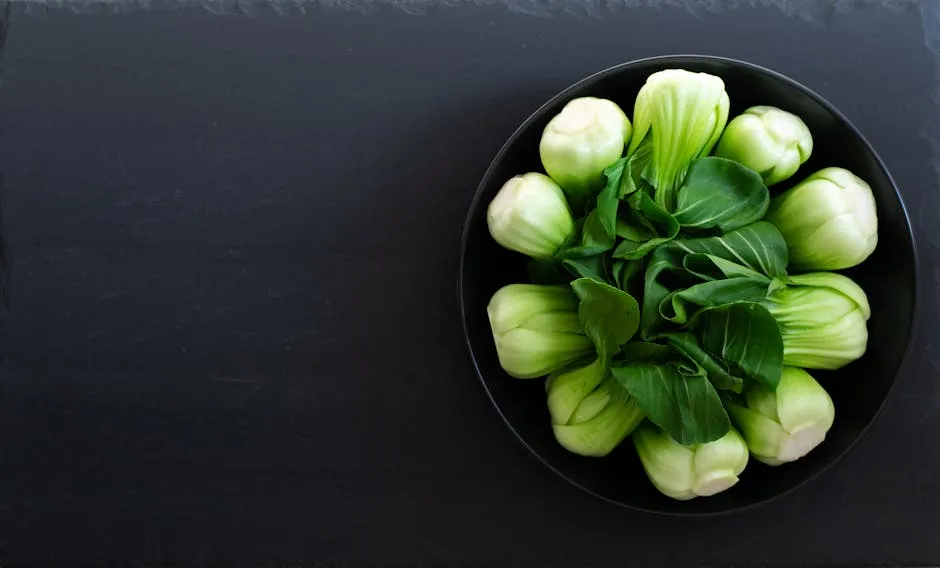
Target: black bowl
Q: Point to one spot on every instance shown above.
(859, 390)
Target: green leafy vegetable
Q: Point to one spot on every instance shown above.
(758, 246)
(685, 405)
(679, 306)
(568, 387)
(596, 232)
(710, 267)
(645, 226)
(713, 346)
(604, 418)
(680, 114)
(745, 337)
(686, 471)
(623, 209)
(536, 329)
(829, 220)
(628, 276)
(785, 424)
(578, 143)
(595, 267)
(721, 194)
(530, 215)
(609, 316)
(645, 352)
(823, 320)
(769, 140)
(589, 239)
(688, 345)
(742, 265)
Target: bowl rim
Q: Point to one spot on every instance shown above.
(680, 59)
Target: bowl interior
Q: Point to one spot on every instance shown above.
(858, 390)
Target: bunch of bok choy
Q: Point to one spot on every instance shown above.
(673, 300)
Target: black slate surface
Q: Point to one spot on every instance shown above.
(233, 333)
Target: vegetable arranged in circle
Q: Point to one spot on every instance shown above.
(672, 298)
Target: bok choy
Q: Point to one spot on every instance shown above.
(672, 299)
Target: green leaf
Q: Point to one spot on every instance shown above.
(643, 224)
(609, 316)
(590, 239)
(618, 271)
(758, 246)
(711, 267)
(645, 352)
(717, 372)
(755, 257)
(745, 337)
(607, 201)
(596, 232)
(596, 267)
(628, 276)
(720, 194)
(680, 305)
(664, 273)
(651, 226)
(633, 227)
(687, 407)
(640, 158)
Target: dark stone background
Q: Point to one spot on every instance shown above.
(233, 334)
